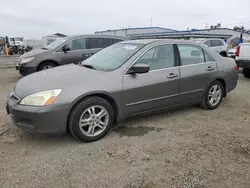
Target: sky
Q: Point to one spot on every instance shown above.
(33, 19)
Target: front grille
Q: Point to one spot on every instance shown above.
(19, 60)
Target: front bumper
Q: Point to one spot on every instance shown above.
(243, 63)
(26, 68)
(49, 119)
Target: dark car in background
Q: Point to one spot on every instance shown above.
(63, 51)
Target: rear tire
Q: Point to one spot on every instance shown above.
(46, 65)
(246, 72)
(91, 119)
(213, 96)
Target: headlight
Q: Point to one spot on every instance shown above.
(43, 98)
(26, 60)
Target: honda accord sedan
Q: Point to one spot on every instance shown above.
(125, 79)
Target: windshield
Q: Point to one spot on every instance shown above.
(112, 57)
(56, 43)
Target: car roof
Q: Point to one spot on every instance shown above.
(155, 41)
(99, 36)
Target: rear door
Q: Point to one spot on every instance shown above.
(197, 71)
(157, 88)
(96, 44)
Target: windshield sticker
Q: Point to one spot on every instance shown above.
(130, 47)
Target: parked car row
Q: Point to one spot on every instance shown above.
(121, 80)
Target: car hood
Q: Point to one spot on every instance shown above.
(33, 53)
(62, 77)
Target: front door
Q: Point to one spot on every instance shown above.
(159, 88)
(197, 71)
(78, 52)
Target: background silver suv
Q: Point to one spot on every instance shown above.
(217, 45)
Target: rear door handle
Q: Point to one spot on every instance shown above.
(172, 75)
(210, 68)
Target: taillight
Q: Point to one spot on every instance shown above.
(236, 68)
(237, 53)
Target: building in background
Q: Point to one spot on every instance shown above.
(134, 31)
(46, 40)
(229, 35)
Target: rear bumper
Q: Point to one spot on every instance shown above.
(243, 63)
(50, 119)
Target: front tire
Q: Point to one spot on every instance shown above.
(46, 65)
(91, 119)
(246, 72)
(213, 96)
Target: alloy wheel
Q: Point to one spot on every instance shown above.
(214, 95)
(94, 121)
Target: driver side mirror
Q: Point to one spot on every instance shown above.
(66, 49)
(139, 68)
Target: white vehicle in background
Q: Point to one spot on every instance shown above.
(231, 52)
(243, 58)
(218, 45)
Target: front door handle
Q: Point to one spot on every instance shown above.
(86, 55)
(172, 75)
(210, 68)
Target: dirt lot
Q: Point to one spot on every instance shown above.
(189, 147)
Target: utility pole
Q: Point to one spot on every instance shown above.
(151, 22)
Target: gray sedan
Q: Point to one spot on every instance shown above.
(122, 80)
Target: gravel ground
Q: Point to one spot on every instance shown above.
(189, 147)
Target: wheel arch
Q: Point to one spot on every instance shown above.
(100, 94)
(47, 60)
(223, 82)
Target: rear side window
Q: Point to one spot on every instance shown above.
(221, 43)
(191, 54)
(215, 43)
(208, 58)
(113, 41)
(98, 43)
(208, 43)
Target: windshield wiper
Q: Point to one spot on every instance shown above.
(89, 66)
(43, 48)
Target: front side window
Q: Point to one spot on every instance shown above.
(190, 54)
(56, 43)
(98, 42)
(112, 57)
(77, 44)
(159, 57)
